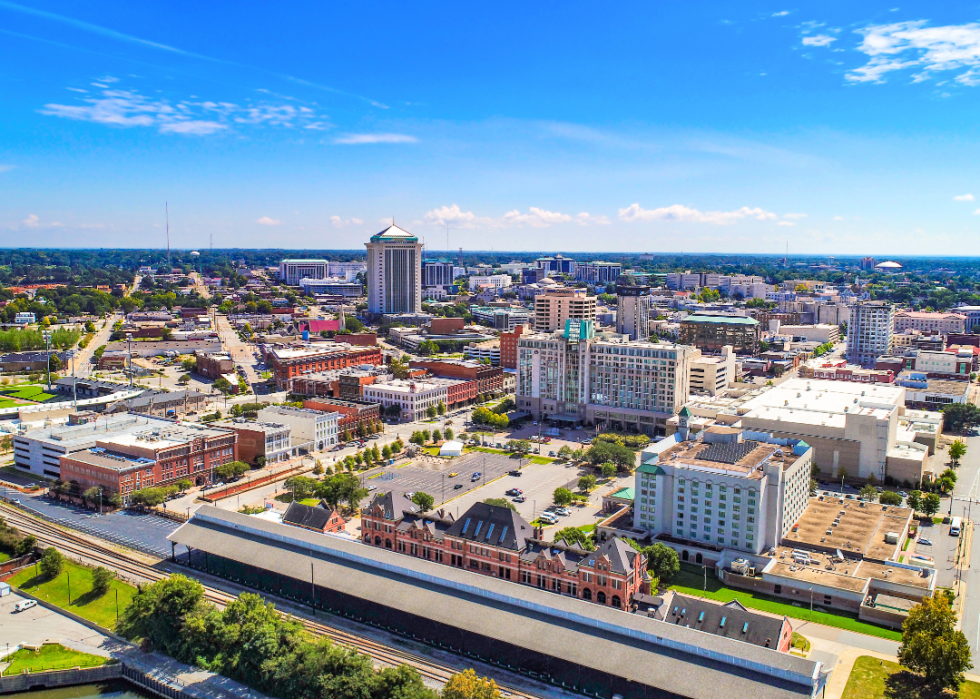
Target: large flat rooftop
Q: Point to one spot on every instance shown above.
(743, 456)
(859, 530)
(823, 397)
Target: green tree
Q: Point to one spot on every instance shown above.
(424, 501)
(930, 505)
(608, 470)
(500, 502)
(519, 446)
(222, 385)
(890, 498)
(441, 408)
(565, 453)
(960, 417)
(813, 487)
(601, 452)
(448, 433)
(562, 496)
(52, 563)
(101, 580)
(468, 685)
(301, 487)
(163, 612)
(431, 411)
(426, 435)
(575, 536)
(869, 493)
(662, 561)
(586, 483)
(914, 500)
(417, 438)
(436, 436)
(931, 645)
(386, 452)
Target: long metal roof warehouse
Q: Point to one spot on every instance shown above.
(570, 642)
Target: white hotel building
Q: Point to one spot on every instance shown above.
(726, 488)
(413, 397)
(292, 271)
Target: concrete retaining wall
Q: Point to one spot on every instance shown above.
(59, 678)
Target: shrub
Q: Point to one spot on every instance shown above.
(101, 580)
(52, 563)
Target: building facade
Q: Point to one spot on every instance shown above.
(497, 542)
(711, 374)
(634, 305)
(312, 430)
(598, 272)
(352, 414)
(269, 441)
(508, 346)
(728, 488)
(555, 306)
(292, 271)
(576, 377)
(412, 398)
(394, 276)
(489, 378)
(558, 264)
(927, 322)
(869, 332)
(710, 333)
(288, 363)
(497, 281)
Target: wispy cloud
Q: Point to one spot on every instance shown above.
(963, 197)
(535, 218)
(266, 221)
(781, 13)
(338, 222)
(681, 213)
(356, 139)
(819, 40)
(128, 108)
(7, 168)
(930, 50)
(31, 221)
(146, 43)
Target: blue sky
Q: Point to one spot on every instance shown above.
(838, 127)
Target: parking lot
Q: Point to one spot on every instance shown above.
(143, 532)
(432, 476)
(941, 552)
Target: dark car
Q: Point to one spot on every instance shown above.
(515, 472)
(457, 486)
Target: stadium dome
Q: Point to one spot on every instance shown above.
(888, 265)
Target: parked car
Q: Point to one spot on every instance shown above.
(457, 486)
(548, 518)
(475, 476)
(925, 542)
(552, 453)
(514, 491)
(563, 512)
(24, 605)
(519, 498)
(515, 472)
(409, 495)
(453, 474)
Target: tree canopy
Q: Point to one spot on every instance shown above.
(931, 645)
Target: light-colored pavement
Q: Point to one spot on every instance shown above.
(39, 624)
(83, 357)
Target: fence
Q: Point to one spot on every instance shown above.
(244, 486)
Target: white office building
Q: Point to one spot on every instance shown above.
(292, 271)
(497, 281)
(634, 306)
(413, 397)
(725, 487)
(711, 374)
(394, 276)
(314, 430)
(869, 332)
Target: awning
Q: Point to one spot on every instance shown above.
(565, 418)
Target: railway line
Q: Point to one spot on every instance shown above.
(136, 570)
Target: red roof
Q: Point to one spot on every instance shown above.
(317, 326)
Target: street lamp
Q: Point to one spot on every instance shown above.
(47, 348)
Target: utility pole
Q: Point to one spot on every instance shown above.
(47, 347)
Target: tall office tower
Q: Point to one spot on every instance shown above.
(870, 331)
(553, 308)
(394, 277)
(292, 271)
(633, 311)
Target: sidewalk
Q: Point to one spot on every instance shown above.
(842, 672)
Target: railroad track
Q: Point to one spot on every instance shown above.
(88, 548)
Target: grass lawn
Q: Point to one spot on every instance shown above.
(312, 502)
(4, 557)
(101, 610)
(52, 656)
(7, 403)
(587, 528)
(541, 460)
(690, 581)
(35, 392)
(872, 677)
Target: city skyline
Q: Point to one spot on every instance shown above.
(839, 130)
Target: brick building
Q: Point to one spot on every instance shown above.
(498, 542)
(446, 326)
(490, 378)
(125, 463)
(269, 440)
(710, 333)
(214, 364)
(459, 391)
(290, 362)
(352, 413)
(508, 346)
(318, 518)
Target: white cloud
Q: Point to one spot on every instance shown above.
(266, 221)
(819, 40)
(535, 217)
(782, 13)
(338, 222)
(963, 197)
(31, 221)
(356, 139)
(893, 47)
(838, 218)
(977, 212)
(129, 108)
(679, 212)
(7, 168)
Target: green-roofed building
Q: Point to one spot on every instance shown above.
(711, 332)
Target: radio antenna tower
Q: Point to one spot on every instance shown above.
(169, 267)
